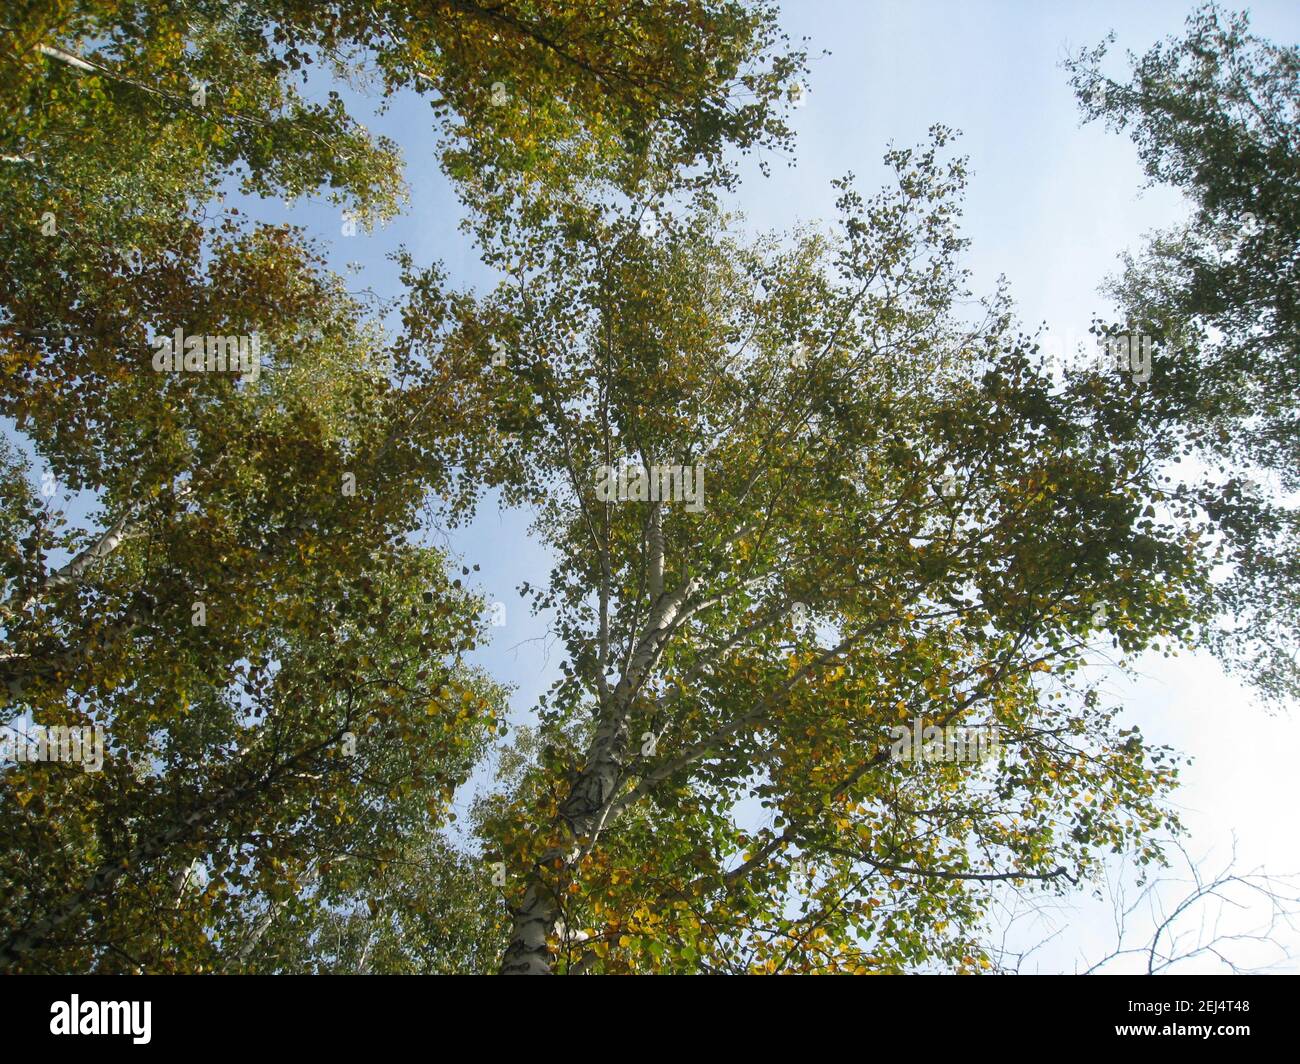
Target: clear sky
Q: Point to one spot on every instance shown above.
(1050, 206)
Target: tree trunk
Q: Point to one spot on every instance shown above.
(583, 814)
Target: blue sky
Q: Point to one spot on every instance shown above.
(1050, 206)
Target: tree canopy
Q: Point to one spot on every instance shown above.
(811, 501)
(1216, 114)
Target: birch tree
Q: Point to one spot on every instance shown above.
(1215, 113)
(248, 599)
(902, 524)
